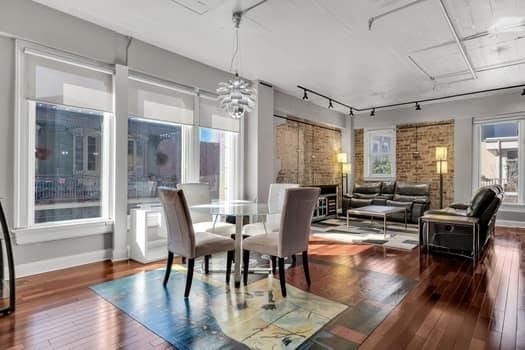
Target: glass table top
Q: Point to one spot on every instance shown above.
(232, 208)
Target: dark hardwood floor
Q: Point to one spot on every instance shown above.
(452, 306)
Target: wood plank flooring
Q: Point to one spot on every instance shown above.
(451, 307)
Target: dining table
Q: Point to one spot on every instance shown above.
(239, 209)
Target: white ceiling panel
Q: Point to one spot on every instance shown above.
(326, 45)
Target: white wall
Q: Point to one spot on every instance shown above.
(463, 112)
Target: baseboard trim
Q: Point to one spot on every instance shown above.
(62, 262)
(510, 223)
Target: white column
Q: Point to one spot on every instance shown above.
(465, 156)
(259, 145)
(120, 178)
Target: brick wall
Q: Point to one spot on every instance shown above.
(307, 154)
(415, 156)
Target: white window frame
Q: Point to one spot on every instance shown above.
(368, 133)
(25, 229)
(476, 162)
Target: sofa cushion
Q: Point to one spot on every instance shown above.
(388, 188)
(394, 203)
(412, 189)
(405, 198)
(367, 188)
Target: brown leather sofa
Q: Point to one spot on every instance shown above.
(413, 196)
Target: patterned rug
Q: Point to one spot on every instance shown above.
(364, 232)
(257, 317)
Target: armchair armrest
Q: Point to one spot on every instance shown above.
(460, 206)
(348, 195)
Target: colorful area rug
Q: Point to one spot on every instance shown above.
(363, 232)
(257, 317)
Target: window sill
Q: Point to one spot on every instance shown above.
(64, 230)
(512, 207)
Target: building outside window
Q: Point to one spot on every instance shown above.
(154, 159)
(380, 153)
(67, 163)
(499, 157)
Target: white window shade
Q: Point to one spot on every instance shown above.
(59, 82)
(152, 101)
(213, 117)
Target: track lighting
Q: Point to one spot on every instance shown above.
(373, 113)
(418, 107)
(523, 93)
(351, 112)
(305, 96)
(330, 104)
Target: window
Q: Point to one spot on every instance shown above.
(65, 109)
(154, 159)
(380, 153)
(217, 161)
(499, 157)
(160, 122)
(219, 145)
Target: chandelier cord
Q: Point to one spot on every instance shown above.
(235, 47)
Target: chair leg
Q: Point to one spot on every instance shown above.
(305, 267)
(189, 277)
(294, 260)
(229, 261)
(246, 265)
(274, 265)
(207, 264)
(168, 268)
(282, 277)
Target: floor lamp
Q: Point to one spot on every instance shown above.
(342, 159)
(441, 168)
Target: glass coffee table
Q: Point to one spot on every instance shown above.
(376, 211)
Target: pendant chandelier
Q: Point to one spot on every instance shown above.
(236, 96)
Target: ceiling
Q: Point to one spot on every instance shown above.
(326, 45)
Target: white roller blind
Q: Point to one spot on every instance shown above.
(152, 101)
(58, 81)
(213, 117)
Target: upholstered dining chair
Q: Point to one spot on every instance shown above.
(292, 236)
(199, 193)
(184, 241)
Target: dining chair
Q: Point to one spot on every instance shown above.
(273, 218)
(292, 236)
(199, 193)
(184, 241)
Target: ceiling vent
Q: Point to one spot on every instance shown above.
(199, 6)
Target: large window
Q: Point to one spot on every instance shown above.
(69, 148)
(380, 153)
(499, 157)
(67, 163)
(66, 107)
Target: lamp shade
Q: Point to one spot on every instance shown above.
(342, 158)
(441, 167)
(441, 153)
(347, 168)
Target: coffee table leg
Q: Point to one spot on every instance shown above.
(347, 221)
(384, 226)
(406, 219)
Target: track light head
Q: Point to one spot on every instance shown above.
(351, 112)
(305, 96)
(523, 93)
(330, 104)
(418, 107)
(373, 113)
